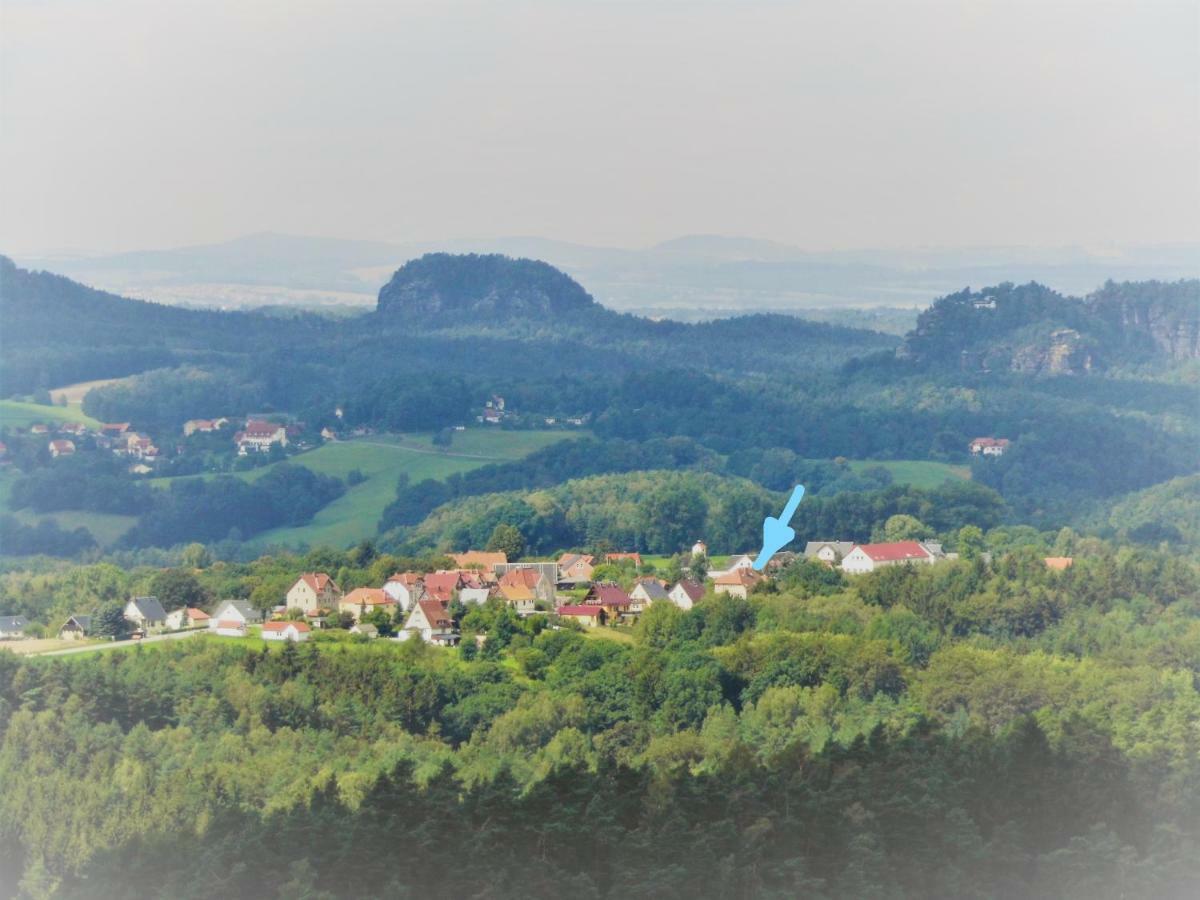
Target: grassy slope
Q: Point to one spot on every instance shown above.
(14, 414)
(354, 515)
(105, 528)
(919, 473)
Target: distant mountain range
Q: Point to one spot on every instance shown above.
(689, 274)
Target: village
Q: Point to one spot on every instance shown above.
(426, 606)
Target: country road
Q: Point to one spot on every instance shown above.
(152, 639)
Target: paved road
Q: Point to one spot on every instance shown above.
(152, 639)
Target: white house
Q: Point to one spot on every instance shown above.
(187, 618)
(238, 612)
(61, 448)
(312, 591)
(285, 631)
(12, 627)
(869, 557)
(829, 552)
(475, 595)
(259, 435)
(686, 594)
(645, 592)
(145, 613)
(429, 622)
(737, 582)
(406, 588)
(743, 562)
(989, 446)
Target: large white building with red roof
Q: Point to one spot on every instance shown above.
(259, 435)
(869, 557)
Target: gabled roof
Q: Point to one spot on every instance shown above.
(585, 609)
(653, 588)
(62, 446)
(607, 594)
(524, 577)
(742, 577)
(618, 557)
(242, 607)
(569, 559)
(11, 623)
(149, 608)
(694, 590)
(318, 581)
(230, 623)
(811, 548)
(367, 597)
(408, 579)
(83, 621)
(259, 428)
(435, 614)
(515, 593)
(990, 442)
(284, 626)
(483, 558)
(898, 551)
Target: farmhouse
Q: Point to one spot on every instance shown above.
(364, 600)
(736, 582)
(12, 627)
(429, 622)
(75, 628)
(869, 557)
(686, 594)
(145, 613)
(989, 446)
(829, 552)
(258, 436)
(187, 618)
(587, 615)
(238, 612)
(313, 591)
(61, 448)
(285, 631)
(575, 567)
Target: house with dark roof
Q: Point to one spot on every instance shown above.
(829, 552)
(239, 612)
(430, 622)
(12, 627)
(645, 592)
(75, 628)
(145, 613)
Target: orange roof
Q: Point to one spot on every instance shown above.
(283, 626)
(318, 581)
(367, 597)
(744, 577)
(408, 579)
(482, 558)
(435, 614)
(1058, 563)
(196, 615)
(524, 577)
(515, 592)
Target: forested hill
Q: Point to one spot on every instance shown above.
(1032, 329)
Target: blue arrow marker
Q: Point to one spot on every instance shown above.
(776, 532)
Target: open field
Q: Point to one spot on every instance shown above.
(74, 393)
(106, 528)
(15, 414)
(38, 645)
(354, 515)
(920, 473)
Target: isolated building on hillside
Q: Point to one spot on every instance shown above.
(286, 631)
(145, 613)
(1059, 563)
(737, 583)
(869, 557)
(61, 448)
(686, 594)
(259, 436)
(313, 591)
(989, 446)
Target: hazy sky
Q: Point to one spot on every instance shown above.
(145, 123)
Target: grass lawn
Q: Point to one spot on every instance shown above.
(920, 473)
(622, 635)
(15, 414)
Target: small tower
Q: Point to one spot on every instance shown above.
(699, 549)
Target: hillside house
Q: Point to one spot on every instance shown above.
(238, 612)
(686, 594)
(740, 562)
(645, 592)
(829, 552)
(313, 591)
(586, 615)
(406, 588)
(12, 627)
(574, 568)
(227, 627)
(145, 613)
(361, 601)
(75, 628)
(541, 579)
(869, 557)
(635, 558)
(258, 436)
(286, 631)
(113, 429)
(430, 622)
(61, 448)
(519, 596)
(136, 446)
(187, 618)
(737, 582)
(989, 446)
(610, 596)
(483, 560)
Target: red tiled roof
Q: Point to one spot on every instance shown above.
(408, 579)
(317, 580)
(605, 594)
(283, 626)
(367, 597)
(257, 428)
(197, 615)
(895, 552)
(744, 577)
(692, 589)
(582, 610)
(435, 614)
(523, 577)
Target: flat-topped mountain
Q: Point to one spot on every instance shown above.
(472, 288)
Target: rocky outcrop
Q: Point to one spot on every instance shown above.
(1166, 312)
